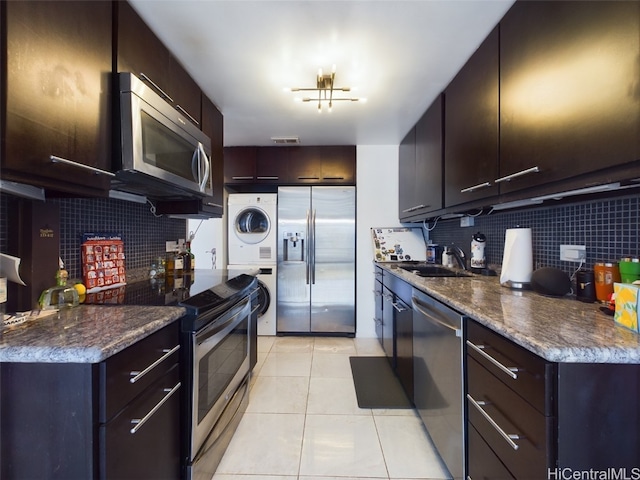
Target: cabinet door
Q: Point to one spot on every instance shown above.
(58, 95)
(142, 53)
(273, 165)
(338, 165)
(388, 339)
(213, 126)
(569, 101)
(377, 292)
(471, 126)
(429, 159)
(406, 174)
(149, 450)
(239, 165)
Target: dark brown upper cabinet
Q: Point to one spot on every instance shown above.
(57, 133)
(313, 165)
(429, 158)
(569, 90)
(420, 189)
(142, 53)
(471, 127)
(406, 174)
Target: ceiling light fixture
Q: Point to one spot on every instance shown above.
(325, 86)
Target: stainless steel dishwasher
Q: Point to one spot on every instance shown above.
(438, 379)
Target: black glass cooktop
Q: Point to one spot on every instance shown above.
(203, 290)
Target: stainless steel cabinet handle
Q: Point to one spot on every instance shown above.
(184, 112)
(275, 177)
(517, 174)
(399, 308)
(509, 437)
(308, 178)
(411, 209)
(139, 422)
(418, 305)
(333, 178)
(97, 171)
(154, 85)
(511, 371)
(247, 177)
(475, 187)
(137, 375)
(211, 204)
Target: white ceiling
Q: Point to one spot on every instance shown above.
(398, 55)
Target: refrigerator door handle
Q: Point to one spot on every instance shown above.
(313, 247)
(307, 264)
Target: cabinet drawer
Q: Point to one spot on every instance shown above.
(529, 375)
(152, 450)
(526, 455)
(126, 374)
(483, 462)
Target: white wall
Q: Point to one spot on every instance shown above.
(377, 206)
(210, 234)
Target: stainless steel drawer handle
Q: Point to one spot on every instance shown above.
(509, 437)
(333, 178)
(399, 308)
(139, 422)
(511, 371)
(64, 161)
(137, 375)
(508, 178)
(268, 177)
(475, 187)
(211, 204)
(246, 177)
(308, 178)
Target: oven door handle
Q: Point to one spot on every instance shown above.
(217, 326)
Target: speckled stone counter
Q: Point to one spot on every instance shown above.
(557, 329)
(83, 334)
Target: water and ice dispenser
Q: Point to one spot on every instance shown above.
(294, 245)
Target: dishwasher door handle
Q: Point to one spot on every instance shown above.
(420, 307)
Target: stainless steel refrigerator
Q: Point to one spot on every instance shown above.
(316, 260)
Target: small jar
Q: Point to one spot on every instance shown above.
(606, 274)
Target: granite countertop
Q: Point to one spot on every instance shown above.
(557, 329)
(83, 334)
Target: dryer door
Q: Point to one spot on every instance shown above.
(252, 225)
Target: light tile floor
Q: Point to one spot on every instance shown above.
(303, 421)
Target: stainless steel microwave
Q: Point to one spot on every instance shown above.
(163, 154)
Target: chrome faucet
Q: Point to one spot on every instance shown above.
(459, 256)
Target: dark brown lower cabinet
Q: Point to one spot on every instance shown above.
(67, 421)
(528, 418)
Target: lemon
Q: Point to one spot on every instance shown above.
(80, 288)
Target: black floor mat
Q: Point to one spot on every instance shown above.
(376, 384)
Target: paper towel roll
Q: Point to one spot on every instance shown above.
(517, 261)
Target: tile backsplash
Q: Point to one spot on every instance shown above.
(609, 229)
(143, 233)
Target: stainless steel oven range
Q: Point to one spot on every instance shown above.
(216, 345)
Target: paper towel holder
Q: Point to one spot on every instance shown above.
(516, 285)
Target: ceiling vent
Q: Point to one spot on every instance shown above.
(286, 140)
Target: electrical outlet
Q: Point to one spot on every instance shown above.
(573, 253)
(466, 221)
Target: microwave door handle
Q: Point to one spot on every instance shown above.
(207, 167)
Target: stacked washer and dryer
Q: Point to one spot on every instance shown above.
(252, 243)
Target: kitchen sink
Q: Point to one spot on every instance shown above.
(434, 271)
